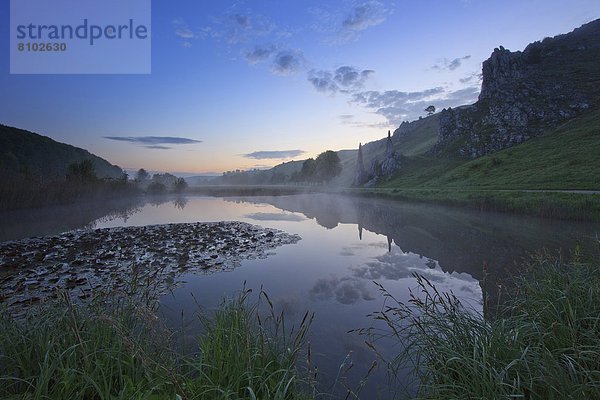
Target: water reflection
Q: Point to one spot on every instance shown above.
(346, 290)
(54, 220)
(460, 240)
(263, 216)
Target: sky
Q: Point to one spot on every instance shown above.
(250, 84)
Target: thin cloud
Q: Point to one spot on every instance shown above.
(153, 140)
(288, 62)
(397, 106)
(274, 154)
(345, 79)
(259, 54)
(244, 26)
(158, 147)
(184, 33)
(363, 16)
(450, 65)
(237, 26)
(475, 76)
(354, 22)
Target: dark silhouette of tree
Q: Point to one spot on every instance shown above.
(309, 170)
(328, 166)
(430, 110)
(142, 175)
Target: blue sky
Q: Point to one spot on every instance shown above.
(247, 84)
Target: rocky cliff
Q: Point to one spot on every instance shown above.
(525, 94)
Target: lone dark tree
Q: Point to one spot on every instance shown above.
(142, 175)
(328, 166)
(430, 110)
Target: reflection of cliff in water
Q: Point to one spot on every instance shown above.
(460, 240)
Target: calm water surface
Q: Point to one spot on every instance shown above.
(347, 243)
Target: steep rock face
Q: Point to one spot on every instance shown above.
(382, 169)
(525, 94)
(360, 176)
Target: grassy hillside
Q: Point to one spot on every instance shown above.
(564, 159)
(23, 152)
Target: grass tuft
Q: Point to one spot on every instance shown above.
(543, 345)
(114, 347)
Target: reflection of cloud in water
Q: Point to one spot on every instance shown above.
(397, 265)
(345, 290)
(263, 216)
(351, 250)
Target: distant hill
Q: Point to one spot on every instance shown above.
(410, 139)
(27, 153)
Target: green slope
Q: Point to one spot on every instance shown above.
(24, 152)
(568, 158)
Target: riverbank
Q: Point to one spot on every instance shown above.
(542, 345)
(551, 204)
(555, 204)
(115, 347)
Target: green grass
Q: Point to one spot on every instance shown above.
(243, 356)
(116, 348)
(420, 140)
(543, 345)
(566, 158)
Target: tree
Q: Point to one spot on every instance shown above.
(309, 170)
(328, 166)
(180, 185)
(430, 110)
(142, 175)
(156, 188)
(83, 172)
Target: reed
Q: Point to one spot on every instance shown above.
(542, 345)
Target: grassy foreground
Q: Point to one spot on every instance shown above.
(117, 349)
(544, 344)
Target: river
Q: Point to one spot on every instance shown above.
(346, 244)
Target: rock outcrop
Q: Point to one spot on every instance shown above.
(526, 94)
(379, 169)
(360, 177)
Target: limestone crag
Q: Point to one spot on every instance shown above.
(379, 169)
(360, 176)
(526, 94)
